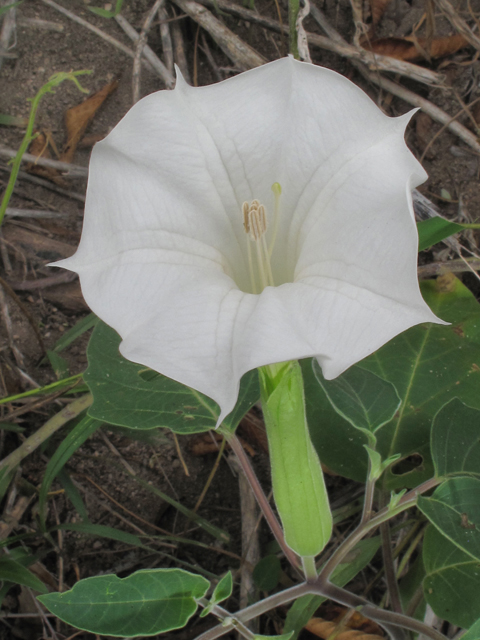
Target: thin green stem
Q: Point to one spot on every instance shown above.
(407, 501)
(309, 568)
(293, 9)
(53, 82)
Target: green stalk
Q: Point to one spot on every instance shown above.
(53, 82)
(293, 9)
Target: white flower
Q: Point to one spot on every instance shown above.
(164, 255)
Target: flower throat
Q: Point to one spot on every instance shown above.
(255, 225)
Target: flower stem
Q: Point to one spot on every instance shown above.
(262, 500)
(293, 9)
(407, 501)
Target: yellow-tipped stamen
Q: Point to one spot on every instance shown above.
(255, 225)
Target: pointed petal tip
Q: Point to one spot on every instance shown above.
(180, 83)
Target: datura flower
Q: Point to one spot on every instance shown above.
(262, 219)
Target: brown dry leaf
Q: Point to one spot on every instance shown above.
(324, 629)
(78, 118)
(377, 8)
(35, 245)
(67, 296)
(405, 49)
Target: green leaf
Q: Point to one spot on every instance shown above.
(66, 449)
(303, 609)
(455, 440)
(428, 365)
(59, 365)
(435, 230)
(266, 573)
(144, 604)
(73, 494)
(473, 633)
(452, 582)
(130, 395)
(101, 531)
(222, 591)
(12, 571)
(363, 399)
(454, 508)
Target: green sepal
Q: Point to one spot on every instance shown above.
(297, 478)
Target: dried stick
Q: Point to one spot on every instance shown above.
(148, 54)
(8, 28)
(452, 266)
(23, 175)
(408, 96)
(13, 212)
(458, 23)
(113, 41)
(240, 53)
(342, 48)
(166, 38)
(389, 567)
(68, 170)
(179, 52)
(141, 42)
(71, 411)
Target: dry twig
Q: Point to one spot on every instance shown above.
(167, 45)
(342, 48)
(458, 23)
(68, 170)
(141, 42)
(240, 53)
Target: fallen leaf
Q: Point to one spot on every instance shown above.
(79, 117)
(406, 49)
(377, 8)
(67, 296)
(324, 629)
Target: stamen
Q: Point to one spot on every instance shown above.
(255, 225)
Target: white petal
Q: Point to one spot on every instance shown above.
(163, 251)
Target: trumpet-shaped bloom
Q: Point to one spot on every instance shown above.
(262, 219)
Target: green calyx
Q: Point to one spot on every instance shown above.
(297, 477)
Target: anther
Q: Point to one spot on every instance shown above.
(254, 219)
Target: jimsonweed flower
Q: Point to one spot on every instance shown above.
(262, 219)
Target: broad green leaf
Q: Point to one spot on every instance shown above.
(435, 230)
(14, 572)
(144, 604)
(363, 399)
(454, 508)
(266, 573)
(222, 591)
(428, 366)
(131, 395)
(66, 449)
(303, 609)
(455, 440)
(452, 582)
(473, 633)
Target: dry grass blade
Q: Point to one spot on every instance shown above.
(68, 170)
(240, 53)
(408, 50)
(141, 42)
(79, 117)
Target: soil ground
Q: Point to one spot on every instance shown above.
(112, 498)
